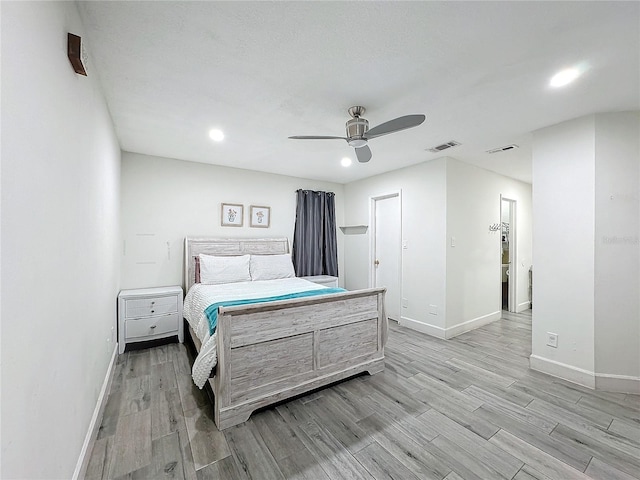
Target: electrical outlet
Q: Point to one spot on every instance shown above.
(433, 310)
(404, 244)
(405, 303)
(552, 339)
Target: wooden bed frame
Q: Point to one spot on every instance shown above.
(272, 351)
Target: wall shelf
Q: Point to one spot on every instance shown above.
(354, 229)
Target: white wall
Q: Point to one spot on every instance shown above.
(423, 223)
(163, 200)
(448, 289)
(60, 237)
(617, 248)
(563, 246)
(586, 229)
(474, 284)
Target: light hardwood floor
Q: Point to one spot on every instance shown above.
(466, 408)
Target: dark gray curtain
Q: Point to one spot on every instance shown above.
(315, 248)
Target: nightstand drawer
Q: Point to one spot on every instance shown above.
(146, 327)
(145, 307)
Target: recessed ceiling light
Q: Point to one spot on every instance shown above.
(564, 77)
(216, 135)
(346, 161)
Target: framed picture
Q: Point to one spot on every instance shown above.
(231, 215)
(260, 216)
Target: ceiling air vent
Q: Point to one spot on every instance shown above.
(444, 146)
(506, 148)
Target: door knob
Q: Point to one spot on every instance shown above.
(376, 263)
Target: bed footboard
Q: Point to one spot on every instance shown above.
(273, 351)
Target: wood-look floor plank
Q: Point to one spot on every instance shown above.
(528, 473)
(331, 455)
(166, 413)
(132, 448)
(100, 459)
(342, 427)
(190, 395)
(302, 466)
(382, 465)
(111, 415)
(600, 470)
(626, 429)
(160, 354)
(509, 408)
(163, 376)
(536, 438)
(350, 403)
(251, 453)
(166, 461)
(225, 469)
(279, 436)
(617, 409)
(405, 447)
(437, 392)
(475, 445)
(138, 363)
(594, 416)
(136, 395)
(461, 462)
(207, 443)
(539, 460)
(592, 446)
(188, 464)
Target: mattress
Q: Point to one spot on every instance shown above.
(200, 296)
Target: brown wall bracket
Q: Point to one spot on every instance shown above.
(74, 53)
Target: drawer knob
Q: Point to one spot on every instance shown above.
(153, 303)
(153, 311)
(152, 327)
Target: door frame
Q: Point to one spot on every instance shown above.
(372, 237)
(512, 279)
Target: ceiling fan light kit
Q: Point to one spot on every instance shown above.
(358, 133)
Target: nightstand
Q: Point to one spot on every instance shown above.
(149, 314)
(326, 280)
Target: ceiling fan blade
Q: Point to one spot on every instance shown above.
(363, 154)
(315, 137)
(395, 125)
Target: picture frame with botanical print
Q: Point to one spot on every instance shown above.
(259, 216)
(231, 215)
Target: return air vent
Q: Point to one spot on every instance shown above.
(444, 146)
(506, 148)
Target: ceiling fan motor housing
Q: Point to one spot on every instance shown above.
(356, 128)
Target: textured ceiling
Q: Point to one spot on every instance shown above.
(262, 71)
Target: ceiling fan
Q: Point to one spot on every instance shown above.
(358, 133)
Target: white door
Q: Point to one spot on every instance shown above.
(387, 251)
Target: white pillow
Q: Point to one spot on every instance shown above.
(215, 270)
(271, 267)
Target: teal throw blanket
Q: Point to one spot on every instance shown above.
(212, 310)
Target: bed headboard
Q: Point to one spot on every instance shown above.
(194, 246)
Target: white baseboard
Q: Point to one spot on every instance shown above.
(472, 324)
(618, 383)
(96, 420)
(523, 306)
(427, 328)
(564, 371)
(446, 333)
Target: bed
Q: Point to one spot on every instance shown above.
(269, 352)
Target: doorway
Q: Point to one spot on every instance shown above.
(386, 248)
(508, 264)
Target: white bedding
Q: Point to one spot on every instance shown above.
(201, 296)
